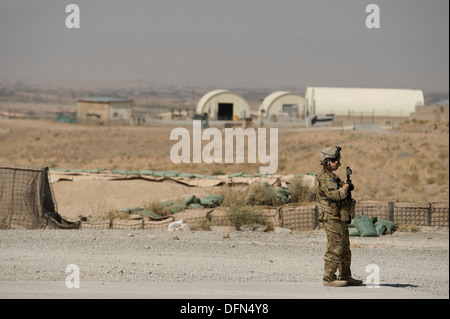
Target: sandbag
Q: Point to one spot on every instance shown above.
(145, 172)
(211, 200)
(383, 226)
(240, 174)
(172, 206)
(365, 226)
(142, 211)
(353, 231)
(124, 172)
(186, 175)
(195, 206)
(171, 173)
(283, 194)
(190, 200)
(380, 228)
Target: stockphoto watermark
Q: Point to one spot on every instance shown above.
(73, 276)
(372, 19)
(373, 279)
(73, 17)
(258, 151)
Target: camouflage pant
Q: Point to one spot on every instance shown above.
(338, 255)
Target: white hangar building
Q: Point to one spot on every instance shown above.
(282, 101)
(223, 105)
(356, 101)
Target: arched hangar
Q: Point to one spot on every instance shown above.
(368, 101)
(223, 105)
(283, 102)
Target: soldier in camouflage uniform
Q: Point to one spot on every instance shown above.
(331, 192)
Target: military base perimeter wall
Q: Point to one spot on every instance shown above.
(27, 202)
(291, 216)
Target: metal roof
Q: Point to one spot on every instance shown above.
(104, 100)
(205, 99)
(271, 98)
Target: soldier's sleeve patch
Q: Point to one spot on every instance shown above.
(332, 185)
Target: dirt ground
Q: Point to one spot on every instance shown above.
(396, 165)
(98, 198)
(404, 166)
(415, 262)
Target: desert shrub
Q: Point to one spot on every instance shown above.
(261, 194)
(407, 227)
(238, 210)
(240, 215)
(300, 192)
(232, 195)
(165, 208)
(115, 213)
(202, 224)
(257, 194)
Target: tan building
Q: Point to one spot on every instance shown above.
(432, 113)
(104, 110)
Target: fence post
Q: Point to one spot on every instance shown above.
(429, 213)
(391, 211)
(316, 210)
(11, 204)
(280, 217)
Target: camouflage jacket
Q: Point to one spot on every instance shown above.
(329, 192)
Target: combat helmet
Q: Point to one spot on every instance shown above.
(328, 153)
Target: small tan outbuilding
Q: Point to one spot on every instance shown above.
(432, 113)
(104, 109)
(223, 105)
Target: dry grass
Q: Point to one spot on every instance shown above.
(301, 193)
(238, 207)
(202, 224)
(164, 208)
(256, 194)
(261, 194)
(117, 214)
(240, 215)
(407, 228)
(412, 166)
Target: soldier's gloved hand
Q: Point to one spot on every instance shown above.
(350, 186)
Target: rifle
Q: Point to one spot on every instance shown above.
(348, 202)
(349, 181)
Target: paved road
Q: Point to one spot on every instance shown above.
(374, 128)
(200, 290)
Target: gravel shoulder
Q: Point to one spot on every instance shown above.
(418, 261)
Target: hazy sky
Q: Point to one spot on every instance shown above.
(232, 43)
